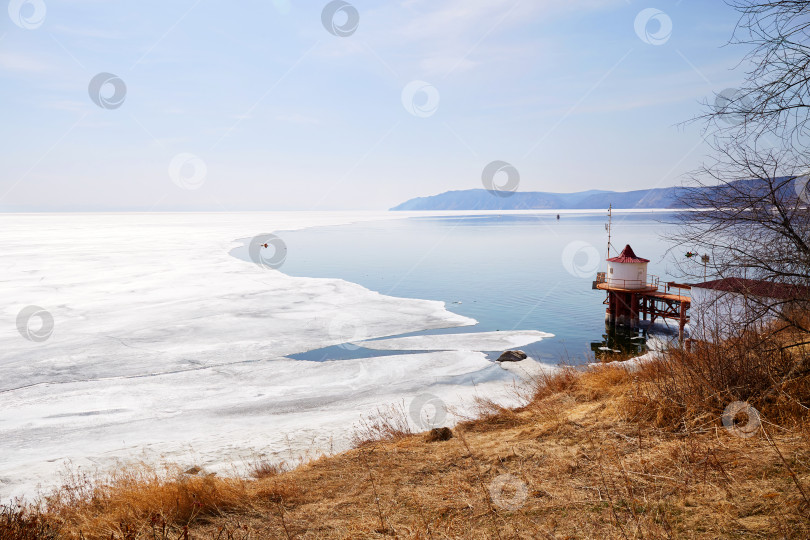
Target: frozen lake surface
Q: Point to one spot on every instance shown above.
(166, 346)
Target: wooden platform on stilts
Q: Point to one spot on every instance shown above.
(627, 302)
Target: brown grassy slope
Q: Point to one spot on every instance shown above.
(580, 466)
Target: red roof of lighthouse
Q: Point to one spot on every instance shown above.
(627, 256)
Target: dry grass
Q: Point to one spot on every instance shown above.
(18, 522)
(604, 453)
(390, 423)
(265, 469)
(140, 500)
(687, 390)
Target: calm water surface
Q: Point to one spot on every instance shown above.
(507, 272)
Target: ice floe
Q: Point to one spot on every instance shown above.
(473, 341)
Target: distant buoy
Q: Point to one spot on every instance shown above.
(558, 216)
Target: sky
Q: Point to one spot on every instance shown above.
(361, 105)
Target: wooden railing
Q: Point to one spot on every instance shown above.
(680, 286)
(652, 282)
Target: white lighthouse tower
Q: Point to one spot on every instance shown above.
(627, 271)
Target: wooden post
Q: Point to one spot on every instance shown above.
(626, 309)
(612, 308)
(617, 307)
(633, 310)
(682, 321)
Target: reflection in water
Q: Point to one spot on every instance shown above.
(618, 342)
(622, 342)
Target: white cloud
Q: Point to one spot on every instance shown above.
(24, 63)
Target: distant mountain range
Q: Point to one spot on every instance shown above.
(481, 199)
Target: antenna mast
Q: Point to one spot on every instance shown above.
(607, 227)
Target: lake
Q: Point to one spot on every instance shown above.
(508, 272)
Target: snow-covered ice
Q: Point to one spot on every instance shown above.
(169, 346)
(477, 341)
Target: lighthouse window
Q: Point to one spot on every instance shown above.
(611, 270)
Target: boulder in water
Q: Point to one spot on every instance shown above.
(512, 356)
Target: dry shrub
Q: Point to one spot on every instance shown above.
(265, 469)
(488, 414)
(388, 423)
(685, 389)
(603, 381)
(122, 502)
(554, 382)
(19, 522)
